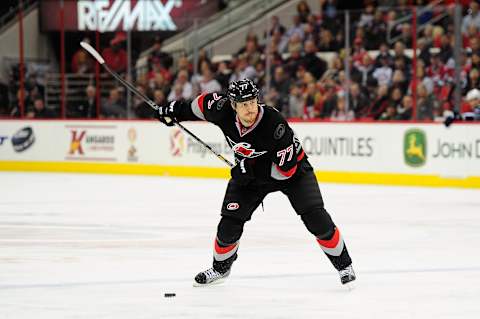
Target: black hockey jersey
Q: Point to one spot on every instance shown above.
(270, 145)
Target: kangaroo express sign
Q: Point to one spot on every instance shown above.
(124, 15)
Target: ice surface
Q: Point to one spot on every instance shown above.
(104, 246)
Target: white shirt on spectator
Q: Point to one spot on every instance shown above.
(187, 91)
(295, 29)
(468, 20)
(211, 86)
(248, 73)
(383, 75)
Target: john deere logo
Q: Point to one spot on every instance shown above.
(415, 147)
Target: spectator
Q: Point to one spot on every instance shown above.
(329, 101)
(473, 17)
(358, 51)
(243, 70)
(390, 114)
(405, 111)
(383, 73)
(158, 82)
(158, 57)
(358, 101)
(383, 53)
(399, 53)
(366, 18)
(327, 41)
(472, 102)
(296, 103)
(184, 84)
(311, 62)
(39, 110)
(293, 62)
(406, 34)
(446, 50)
(279, 41)
(376, 32)
(425, 80)
(252, 52)
(311, 98)
(207, 82)
(340, 113)
(81, 61)
(15, 108)
(396, 95)
(175, 93)
(425, 103)
(379, 105)
(87, 108)
(223, 74)
(276, 26)
(365, 68)
(114, 106)
(399, 81)
(311, 32)
(424, 48)
(184, 64)
(296, 28)
(473, 81)
(159, 97)
(281, 84)
(140, 108)
(115, 56)
(303, 11)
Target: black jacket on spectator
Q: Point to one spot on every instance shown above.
(314, 65)
(283, 90)
(358, 103)
(86, 109)
(43, 114)
(377, 108)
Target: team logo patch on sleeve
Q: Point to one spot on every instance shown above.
(233, 206)
(279, 131)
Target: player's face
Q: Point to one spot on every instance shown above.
(247, 111)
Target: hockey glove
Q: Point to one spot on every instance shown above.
(167, 113)
(243, 172)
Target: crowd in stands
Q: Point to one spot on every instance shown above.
(301, 69)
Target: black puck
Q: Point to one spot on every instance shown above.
(168, 295)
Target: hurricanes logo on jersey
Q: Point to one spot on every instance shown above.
(244, 149)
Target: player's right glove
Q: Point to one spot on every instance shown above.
(167, 114)
(243, 172)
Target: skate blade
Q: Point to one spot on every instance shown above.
(216, 282)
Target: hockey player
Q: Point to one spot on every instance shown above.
(269, 158)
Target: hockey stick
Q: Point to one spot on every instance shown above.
(152, 104)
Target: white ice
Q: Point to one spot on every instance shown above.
(104, 246)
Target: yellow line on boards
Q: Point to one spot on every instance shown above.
(213, 172)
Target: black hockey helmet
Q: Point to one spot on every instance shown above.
(242, 90)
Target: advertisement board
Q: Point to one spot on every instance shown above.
(124, 15)
(412, 154)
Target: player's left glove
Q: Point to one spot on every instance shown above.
(243, 172)
(167, 114)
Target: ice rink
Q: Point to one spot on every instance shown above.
(105, 246)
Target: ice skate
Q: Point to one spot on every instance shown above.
(347, 276)
(210, 277)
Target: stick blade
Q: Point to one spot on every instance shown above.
(93, 52)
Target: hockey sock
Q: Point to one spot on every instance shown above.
(335, 249)
(224, 255)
